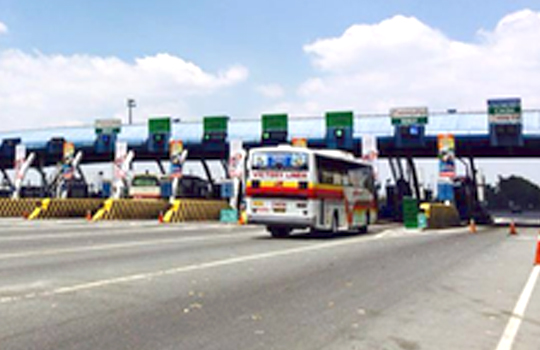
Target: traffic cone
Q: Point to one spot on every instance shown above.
(513, 230)
(537, 262)
(88, 215)
(25, 215)
(160, 217)
(472, 226)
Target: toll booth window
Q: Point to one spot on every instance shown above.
(280, 161)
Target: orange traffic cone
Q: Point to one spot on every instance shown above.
(513, 230)
(88, 215)
(537, 262)
(25, 214)
(160, 217)
(472, 226)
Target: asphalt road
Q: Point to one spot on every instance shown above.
(139, 285)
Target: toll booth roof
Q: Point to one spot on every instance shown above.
(249, 130)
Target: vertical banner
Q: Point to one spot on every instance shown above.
(447, 155)
(369, 148)
(20, 157)
(67, 159)
(236, 159)
(119, 158)
(176, 147)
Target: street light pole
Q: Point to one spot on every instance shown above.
(130, 105)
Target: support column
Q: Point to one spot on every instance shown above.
(161, 167)
(412, 171)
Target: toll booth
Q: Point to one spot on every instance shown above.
(339, 130)
(274, 128)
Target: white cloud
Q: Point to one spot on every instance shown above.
(271, 90)
(402, 61)
(3, 28)
(38, 90)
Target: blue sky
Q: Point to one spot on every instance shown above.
(66, 62)
(266, 39)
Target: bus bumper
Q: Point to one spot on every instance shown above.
(282, 221)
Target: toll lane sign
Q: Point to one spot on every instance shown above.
(409, 115)
(504, 111)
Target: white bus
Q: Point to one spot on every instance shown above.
(292, 187)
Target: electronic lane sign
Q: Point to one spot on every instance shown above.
(159, 132)
(505, 122)
(215, 128)
(339, 129)
(106, 134)
(274, 128)
(409, 125)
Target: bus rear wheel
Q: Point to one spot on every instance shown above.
(279, 232)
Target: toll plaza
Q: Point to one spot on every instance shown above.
(404, 135)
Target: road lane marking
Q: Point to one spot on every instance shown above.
(116, 231)
(190, 268)
(120, 245)
(510, 332)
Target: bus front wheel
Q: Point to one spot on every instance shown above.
(279, 232)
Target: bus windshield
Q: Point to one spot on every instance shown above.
(280, 161)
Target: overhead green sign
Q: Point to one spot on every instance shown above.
(409, 116)
(215, 124)
(159, 125)
(107, 126)
(274, 122)
(342, 119)
(504, 111)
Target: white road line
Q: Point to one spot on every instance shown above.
(187, 268)
(512, 328)
(120, 246)
(100, 231)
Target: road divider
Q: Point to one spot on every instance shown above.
(195, 210)
(55, 208)
(441, 215)
(131, 209)
(17, 208)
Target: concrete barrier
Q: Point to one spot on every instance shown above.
(132, 209)
(18, 207)
(441, 216)
(195, 210)
(55, 208)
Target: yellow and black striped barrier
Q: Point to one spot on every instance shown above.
(22, 207)
(131, 209)
(54, 208)
(195, 210)
(441, 215)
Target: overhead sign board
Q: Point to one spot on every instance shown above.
(409, 115)
(108, 126)
(339, 119)
(274, 122)
(159, 125)
(215, 124)
(504, 111)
